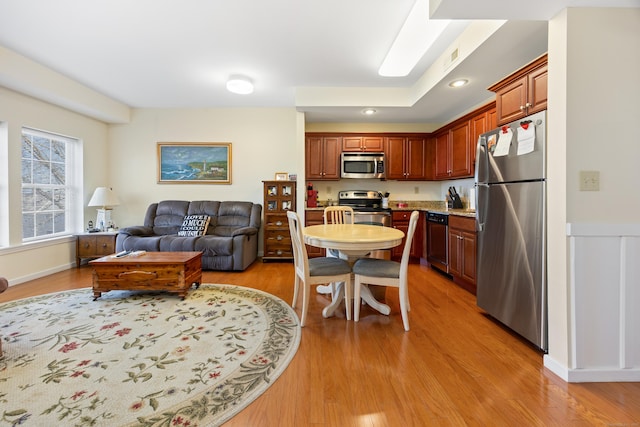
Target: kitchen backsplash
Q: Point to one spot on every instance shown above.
(413, 192)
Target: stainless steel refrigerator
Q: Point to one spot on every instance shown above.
(511, 224)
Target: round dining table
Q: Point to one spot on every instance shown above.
(353, 241)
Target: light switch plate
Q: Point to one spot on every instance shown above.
(589, 180)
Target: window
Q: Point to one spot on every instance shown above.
(48, 184)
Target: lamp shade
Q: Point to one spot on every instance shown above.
(104, 197)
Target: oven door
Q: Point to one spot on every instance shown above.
(438, 245)
(372, 218)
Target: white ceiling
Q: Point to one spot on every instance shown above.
(179, 53)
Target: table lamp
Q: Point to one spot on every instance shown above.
(104, 198)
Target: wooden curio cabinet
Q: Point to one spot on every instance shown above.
(279, 197)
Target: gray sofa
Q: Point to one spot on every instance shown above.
(230, 241)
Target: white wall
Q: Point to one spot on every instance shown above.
(263, 142)
(594, 61)
(603, 65)
(20, 263)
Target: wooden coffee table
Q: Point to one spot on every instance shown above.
(161, 271)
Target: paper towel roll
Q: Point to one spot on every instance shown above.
(472, 199)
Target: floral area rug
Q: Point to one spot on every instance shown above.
(141, 359)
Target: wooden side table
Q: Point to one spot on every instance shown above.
(94, 245)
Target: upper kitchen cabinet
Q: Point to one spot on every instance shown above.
(363, 143)
(406, 158)
(455, 143)
(322, 157)
(481, 123)
(453, 152)
(522, 93)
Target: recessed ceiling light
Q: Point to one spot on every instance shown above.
(369, 111)
(459, 82)
(240, 85)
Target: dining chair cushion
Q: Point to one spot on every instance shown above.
(325, 266)
(377, 268)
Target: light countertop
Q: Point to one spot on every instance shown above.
(419, 205)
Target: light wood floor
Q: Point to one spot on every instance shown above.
(455, 367)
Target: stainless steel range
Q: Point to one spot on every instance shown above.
(367, 207)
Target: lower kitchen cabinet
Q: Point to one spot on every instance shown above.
(400, 220)
(314, 217)
(462, 251)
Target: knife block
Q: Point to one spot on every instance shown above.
(456, 203)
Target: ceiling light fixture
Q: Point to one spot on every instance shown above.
(459, 83)
(369, 111)
(240, 85)
(416, 37)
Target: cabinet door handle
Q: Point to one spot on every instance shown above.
(528, 104)
(522, 108)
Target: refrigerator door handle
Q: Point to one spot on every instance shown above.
(480, 220)
(482, 155)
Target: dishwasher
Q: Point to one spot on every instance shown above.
(438, 240)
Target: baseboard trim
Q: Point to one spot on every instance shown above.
(591, 375)
(40, 274)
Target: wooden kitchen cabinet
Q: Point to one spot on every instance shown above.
(454, 152)
(322, 157)
(479, 124)
(363, 144)
(406, 158)
(314, 217)
(462, 251)
(454, 145)
(94, 245)
(279, 198)
(522, 93)
(400, 220)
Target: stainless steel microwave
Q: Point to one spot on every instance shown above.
(362, 165)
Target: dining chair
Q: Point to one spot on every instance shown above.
(335, 215)
(338, 215)
(314, 271)
(382, 272)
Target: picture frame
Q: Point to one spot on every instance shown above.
(194, 162)
(282, 176)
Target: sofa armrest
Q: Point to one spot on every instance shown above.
(137, 230)
(249, 231)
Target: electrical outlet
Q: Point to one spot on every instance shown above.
(589, 180)
(416, 190)
(328, 189)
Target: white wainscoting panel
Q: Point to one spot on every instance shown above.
(604, 286)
